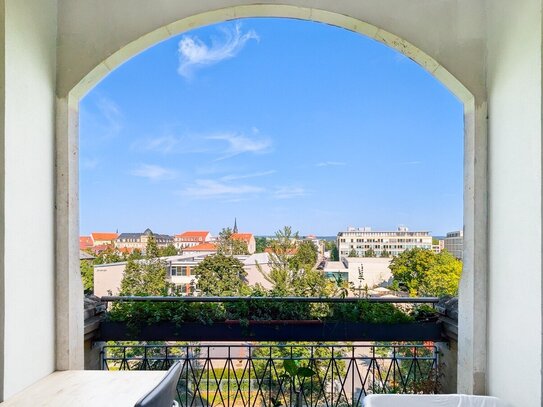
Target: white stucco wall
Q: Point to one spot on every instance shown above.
(29, 177)
(514, 111)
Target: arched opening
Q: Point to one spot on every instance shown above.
(71, 104)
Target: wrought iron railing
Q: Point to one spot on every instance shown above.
(248, 375)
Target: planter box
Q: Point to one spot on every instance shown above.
(272, 331)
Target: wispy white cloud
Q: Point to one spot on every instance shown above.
(289, 192)
(194, 53)
(223, 145)
(331, 164)
(240, 143)
(154, 172)
(234, 177)
(163, 144)
(101, 121)
(113, 117)
(208, 189)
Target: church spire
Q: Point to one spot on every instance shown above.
(235, 226)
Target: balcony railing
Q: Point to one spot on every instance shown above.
(248, 375)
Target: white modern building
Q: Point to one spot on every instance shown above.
(360, 271)
(454, 243)
(360, 240)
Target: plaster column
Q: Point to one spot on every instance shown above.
(472, 333)
(69, 287)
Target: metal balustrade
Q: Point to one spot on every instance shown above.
(250, 375)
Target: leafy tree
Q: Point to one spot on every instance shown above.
(87, 275)
(334, 254)
(221, 275)
(135, 255)
(352, 253)
(305, 257)
(422, 272)
(370, 253)
(229, 246)
(110, 255)
(444, 278)
(169, 250)
(385, 253)
(151, 250)
(261, 244)
(329, 245)
(288, 274)
(146, 276)
(435, 241)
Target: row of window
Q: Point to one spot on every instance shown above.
(180, 271)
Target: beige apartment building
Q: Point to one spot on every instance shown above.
(394, 242)
(108, 277)
(132, 241)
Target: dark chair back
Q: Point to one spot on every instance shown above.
(163, 395)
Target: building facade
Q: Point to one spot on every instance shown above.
(360, 240)
(180, 272)
(191, 238)
(360, 272)
(454, 243)
(132, 241)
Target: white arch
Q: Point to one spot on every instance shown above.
(283, 11)
(472, 335)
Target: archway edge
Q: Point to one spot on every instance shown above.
(465, 48)
(279, 11)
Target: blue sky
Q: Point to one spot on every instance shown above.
(276, 122)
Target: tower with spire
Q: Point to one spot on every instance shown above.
(235, 230)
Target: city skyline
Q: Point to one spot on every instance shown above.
(187, 136)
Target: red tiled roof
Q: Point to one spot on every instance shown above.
(85, 242)
(104, 236)
(193, 234)
(204, 247)
(100, 248)
(242, 236)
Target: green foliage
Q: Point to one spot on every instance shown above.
(151, 250)
(385, 253)
(229, 246)
(352, 253)
(169, 250)
(110, 255)
(261, 244)
(334, 255)
(87, 275)
(370, 253)
(146, 276)
(256, 310)
(221, 275)
(292, 271)
(305, 257)
(135, 255)
(422, 272)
